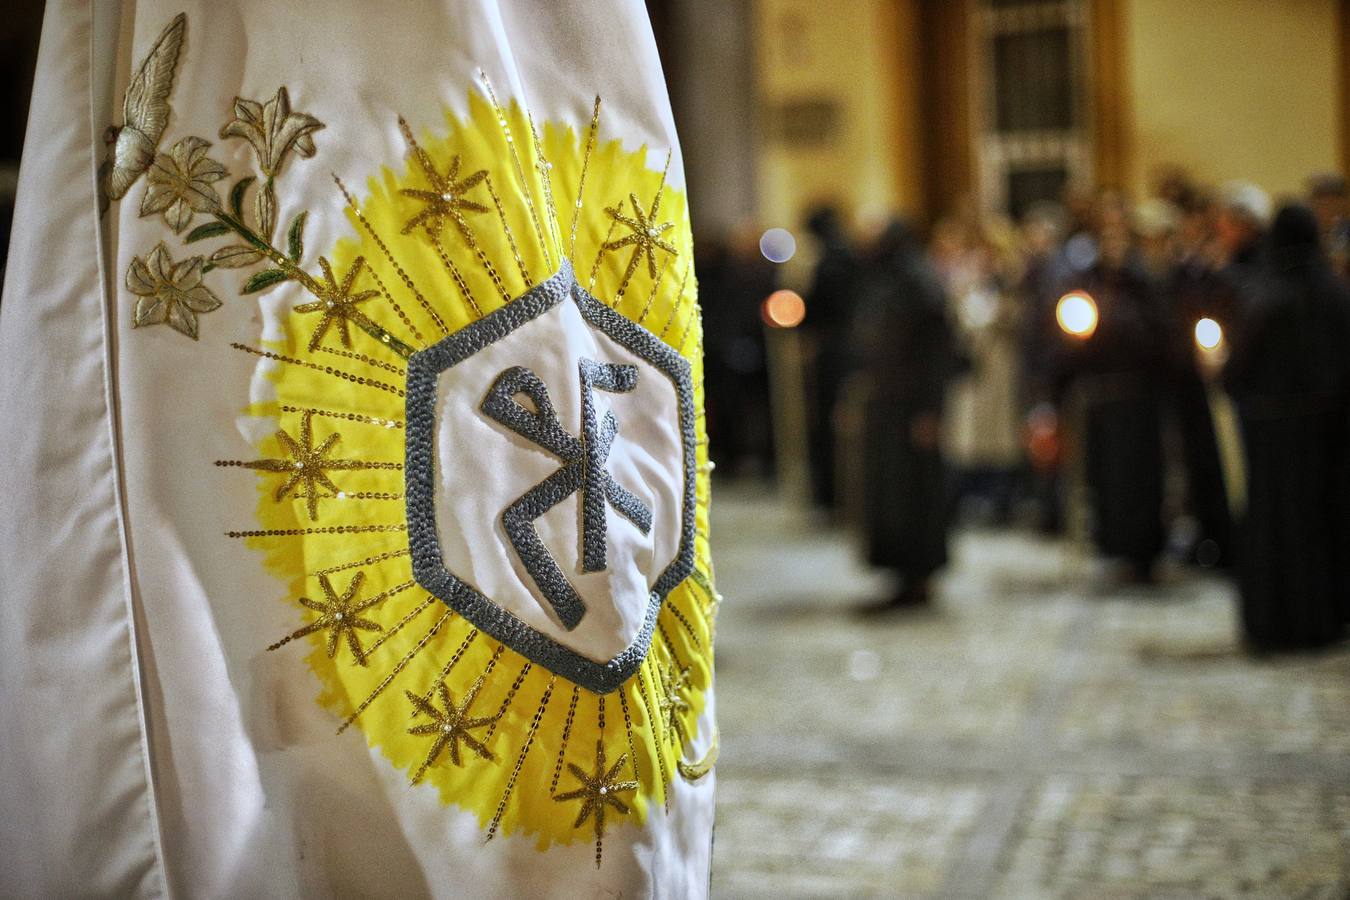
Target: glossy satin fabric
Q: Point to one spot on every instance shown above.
(151, 747)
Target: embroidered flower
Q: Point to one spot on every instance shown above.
(180, 183)
(169, 292)
(272, 129)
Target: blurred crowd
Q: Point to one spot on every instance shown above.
(1175, 367)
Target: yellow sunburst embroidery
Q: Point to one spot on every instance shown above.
(527, 730)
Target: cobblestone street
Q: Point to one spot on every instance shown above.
(1031, 736)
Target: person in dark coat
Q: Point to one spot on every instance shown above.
(1045, 273)
(1201, 284)
(1116, 374)
(734, 278)
(1289, 374)
(829, 308)
(908, 356)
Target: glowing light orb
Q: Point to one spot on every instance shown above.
(778, 245)
(1076, 313)
(1208, 334)
(783, 309)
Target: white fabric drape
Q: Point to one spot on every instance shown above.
(150, 748)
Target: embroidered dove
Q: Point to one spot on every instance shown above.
(145, 113)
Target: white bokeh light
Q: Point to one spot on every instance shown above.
(1208, 334)
(778, 245)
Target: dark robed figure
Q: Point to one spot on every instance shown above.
(834, 286)
(1117, 376)
(1290, 376)
(907, 358)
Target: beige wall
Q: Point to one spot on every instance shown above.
(1234, 89)
(858, 53)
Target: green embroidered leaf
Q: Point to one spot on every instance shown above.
(209, 230)
(295, 237)
(208, 267)
(236, 256)
(262, 280)
(237, 196)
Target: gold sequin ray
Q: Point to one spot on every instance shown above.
(450, 726)
(330, 529)
(628, 733)
(402, 623)
(369, 495)
(525, 186)
(656, 287)
(395, 671)
(520, 758)
(704, 583)
(545, 169)
(581, 181)
(510, 697)
(327, 370)
(392, 368)
(455, 658)
(358, 563)
(679, 293)
(566, 735)
(384, 248)
(654, 726)
(695, 317)
(510, 237)
(466, 232)
(398, 310)
(665, 173)
(345, 416)
(597, 790)
(483, 675)
(455, 274)
(669, 644)
(670, 320)
(688, 627)
(600, 255)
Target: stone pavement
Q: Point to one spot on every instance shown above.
(1031, 736)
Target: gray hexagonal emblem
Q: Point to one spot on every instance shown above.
(550, 479)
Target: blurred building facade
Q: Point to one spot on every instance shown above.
(922, 106)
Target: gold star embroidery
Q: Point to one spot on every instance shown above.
(306, 466)
(337, 304)
(646, 234)
(450, 726)
(673, 703)
(339, 616)
(597, 790)
(446, 199)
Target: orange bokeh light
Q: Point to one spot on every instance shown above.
(783, 309)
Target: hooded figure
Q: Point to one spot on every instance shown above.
(908, 358)
(1117, 372)
(1290, 377)
(834, 286)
